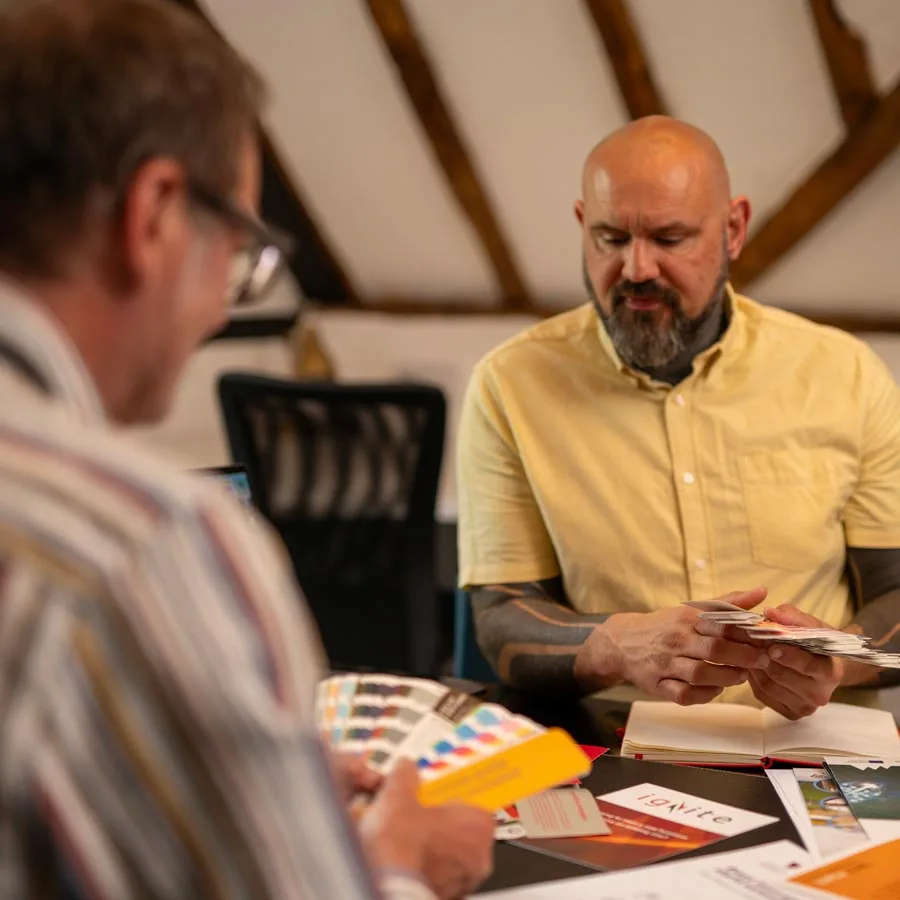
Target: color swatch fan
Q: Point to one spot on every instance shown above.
(466, 751)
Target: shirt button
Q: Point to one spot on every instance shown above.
(679, 400)
(688, 477)
(700, 564)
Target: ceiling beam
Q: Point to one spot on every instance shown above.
(861, 152)
(857, 324)
(627, 57)
(848, 62)
(415, 71)
(314, 264)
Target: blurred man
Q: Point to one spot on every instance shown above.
(158, 667)
(671, 441)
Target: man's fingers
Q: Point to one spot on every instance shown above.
(771, 702)
(790, 615)
(790, 704)
(685, 694)
(699, 673)
(403, 779)
(728, 653)
(802, 661)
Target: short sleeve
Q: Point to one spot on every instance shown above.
(872, 513)
(502, 536)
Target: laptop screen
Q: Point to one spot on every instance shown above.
(235, 480)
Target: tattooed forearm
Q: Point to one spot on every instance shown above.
(875, 578)
(530, 634)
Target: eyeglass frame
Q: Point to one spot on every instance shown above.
(265, 236)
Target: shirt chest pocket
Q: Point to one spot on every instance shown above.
(792, 507)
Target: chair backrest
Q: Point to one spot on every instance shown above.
(348, 475)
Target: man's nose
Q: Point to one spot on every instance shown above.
(640, 261)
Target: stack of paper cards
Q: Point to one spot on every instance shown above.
(825, 641)
(466, 751)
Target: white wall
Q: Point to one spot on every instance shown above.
(531, 90)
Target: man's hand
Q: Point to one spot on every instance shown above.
(665, 654)
(353, 775)
(796, 682)
(449, 847)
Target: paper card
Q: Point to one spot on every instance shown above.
(868, 874)
(487, 730)
(835, 828)
(872, 791)
(648, 823)
(566, 812)
(509, 776)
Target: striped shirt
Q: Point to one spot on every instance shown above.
(157, 669)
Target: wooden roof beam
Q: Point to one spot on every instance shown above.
(627, 57)
(866, 146)
(857, 324)
(415, 71)
(848, 62)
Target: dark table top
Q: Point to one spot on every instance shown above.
(599, 722)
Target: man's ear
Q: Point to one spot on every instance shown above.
(579, 211)
(153, 215)
(736, 226)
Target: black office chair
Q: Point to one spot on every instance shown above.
(348, 475)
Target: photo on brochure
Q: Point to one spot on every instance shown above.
(835, 828)
(872, 793)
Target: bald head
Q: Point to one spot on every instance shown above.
(660, 149)
(660, 229)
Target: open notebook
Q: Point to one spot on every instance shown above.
(731, 734)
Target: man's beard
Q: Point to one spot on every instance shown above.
(640, 339)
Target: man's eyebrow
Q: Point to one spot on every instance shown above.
(681, 227)
(605, 226)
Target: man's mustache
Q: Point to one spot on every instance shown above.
(625, 289)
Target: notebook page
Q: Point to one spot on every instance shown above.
(839, 729)
(722, 728)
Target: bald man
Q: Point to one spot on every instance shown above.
(671, 440)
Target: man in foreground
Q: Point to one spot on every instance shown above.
(158, 667)
(674, 441)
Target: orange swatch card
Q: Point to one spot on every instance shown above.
(870, 874)
(523, 770)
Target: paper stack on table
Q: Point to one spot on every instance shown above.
(824, 641)
(466, 750)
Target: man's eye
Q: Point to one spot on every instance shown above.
(669, 241)
(613, 240)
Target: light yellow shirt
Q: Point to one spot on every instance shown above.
(778, 451)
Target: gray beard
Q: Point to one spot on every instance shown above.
(643, 344)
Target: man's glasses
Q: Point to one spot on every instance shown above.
(256, 267)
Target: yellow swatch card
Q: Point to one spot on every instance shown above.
(544, 761)
(871, 874)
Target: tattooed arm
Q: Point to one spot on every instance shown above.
(530, 634)
(875, 579)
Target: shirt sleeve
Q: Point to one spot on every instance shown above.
(501, 533)
(872, 512)
(187, 761)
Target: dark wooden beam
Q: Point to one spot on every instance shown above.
(848, 62)
(857, 324)
(314, 265)
(416, 73)
(859, 154)
(626, 55)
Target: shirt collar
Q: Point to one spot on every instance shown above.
(34, 344)
(702, 361)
